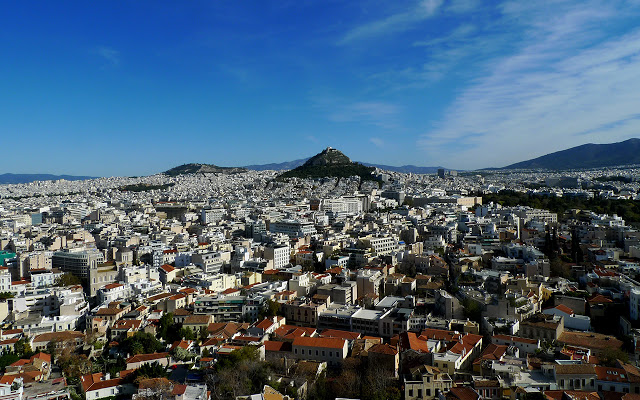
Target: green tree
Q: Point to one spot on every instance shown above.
(141, 343)
(472, 310)
(7, 359)
(166, 323)
(67, 279)
(187, 334)
(271, 309)
(183, 355)
(23, 348)
(610, 356)
(147, 371)
(203, 334)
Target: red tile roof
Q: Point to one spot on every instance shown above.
(270, 345)
(112, 286)
(146, 357)
(564, 309)
(331, 343)
(167, 268)
(336, 333)
(383, 349)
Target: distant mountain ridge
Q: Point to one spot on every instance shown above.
(277, 166)
(28, 178)
(195, 168)
(586, 156)
(406, 169)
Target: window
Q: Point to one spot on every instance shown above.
(410, 392)
(420, 393)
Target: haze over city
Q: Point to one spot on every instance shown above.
(134, 88)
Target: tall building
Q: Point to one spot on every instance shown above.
(280, 254)
(212, 216)
(82, 263)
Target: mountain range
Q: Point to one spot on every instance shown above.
(586, 156)
(27, 178)
(202, 169)
(579, 157)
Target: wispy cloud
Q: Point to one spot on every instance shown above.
(379, 143)
(380, 114)
(461, 32)
(398, 22)
(462, 6)
(569, 81)
(111, 56)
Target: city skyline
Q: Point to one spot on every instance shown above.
(113, 89)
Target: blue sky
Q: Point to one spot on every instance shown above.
(131, 88)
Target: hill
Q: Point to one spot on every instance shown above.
(330, 163)
(27, 178)
(586, 156)
(202, 169)
(414, 169)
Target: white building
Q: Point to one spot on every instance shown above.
(279, 254)
(293, 228)
(212, 216)
(634, 304)
(113, 292)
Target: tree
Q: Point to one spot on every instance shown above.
(183, 355)
(51, 350)
(271, 309)
(141, 343)
(146, 371)
(610, 356)
(187, 334)
(7, 359)
(203, 334)
(154, 388)
(239, 373)
(67, 279)
(23, 348)
(472, 310)
(74, 365)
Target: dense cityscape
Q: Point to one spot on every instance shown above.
(243, 284)
(320, 200)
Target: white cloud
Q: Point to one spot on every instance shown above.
(462, 6)
(377, 142)
(379, 114)
(398, 22)
(568, 82)
(111, 56)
